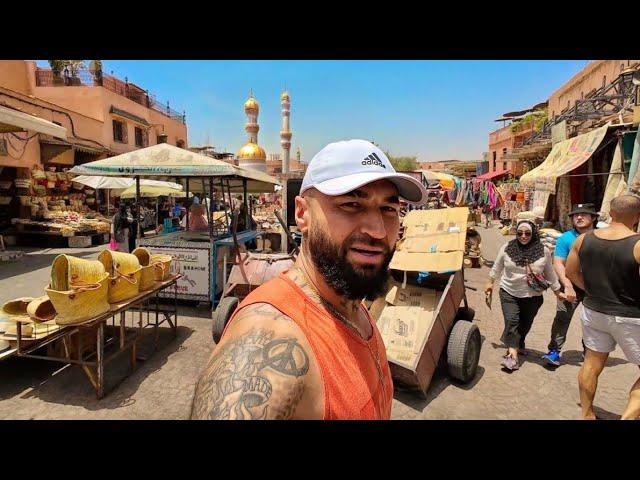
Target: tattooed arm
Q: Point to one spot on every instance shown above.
(262, 369)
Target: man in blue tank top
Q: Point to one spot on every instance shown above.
(583, 216)
(606, 265)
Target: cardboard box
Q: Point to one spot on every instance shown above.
(433, 241)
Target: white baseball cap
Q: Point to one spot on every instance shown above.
(342, 167)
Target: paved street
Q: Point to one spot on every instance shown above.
(162, 386)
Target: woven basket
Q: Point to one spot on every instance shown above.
(16, 308)
(124, 275)
(78, 289)
(41, 309)
(162, 266)
(148, 273)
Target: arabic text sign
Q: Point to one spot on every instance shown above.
(193, 265)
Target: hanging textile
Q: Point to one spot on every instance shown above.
(614, 181)
(634, 178)
(563, 202)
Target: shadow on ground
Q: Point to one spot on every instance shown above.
(439, 382)
(30, 263)
(36, 376)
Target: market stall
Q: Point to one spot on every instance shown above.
(200, 257)
(589, 168)
(75, 321)
(53, 210)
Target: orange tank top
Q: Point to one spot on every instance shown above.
(355, 373)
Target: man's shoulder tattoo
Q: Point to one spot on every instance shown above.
(257, 375)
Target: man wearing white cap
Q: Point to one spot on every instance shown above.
(303, 346)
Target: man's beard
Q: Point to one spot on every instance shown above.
(352, 283)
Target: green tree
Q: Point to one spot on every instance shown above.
(403, 163)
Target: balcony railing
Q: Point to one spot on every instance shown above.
(46, 78)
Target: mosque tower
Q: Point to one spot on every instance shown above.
(252, 155)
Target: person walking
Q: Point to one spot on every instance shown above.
(524, 268)
(605, 263)
(583, 217)
(121, 227)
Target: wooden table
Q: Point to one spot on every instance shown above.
(124, 339)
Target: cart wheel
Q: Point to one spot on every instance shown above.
(466, 313)
(222, 315)
(463, 351)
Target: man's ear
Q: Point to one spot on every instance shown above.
(302, 214)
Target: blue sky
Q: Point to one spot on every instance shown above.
(434, 109)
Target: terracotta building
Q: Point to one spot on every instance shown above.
(595, 75)
(103, 115)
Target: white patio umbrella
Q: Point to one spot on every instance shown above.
(116, 183)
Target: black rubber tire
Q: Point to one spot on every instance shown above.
(463, 351)
(221, 316)
(466, 313)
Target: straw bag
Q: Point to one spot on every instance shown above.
(41, 309)
(78, 289)
(148, 273)
(163, 268)
(16, 308)
(124, 275)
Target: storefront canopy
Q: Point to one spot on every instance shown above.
(492, 175)
(164, 160)
(15, 121)
(111, 183)
(564, 157)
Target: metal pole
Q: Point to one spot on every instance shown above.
(187, 201)
(226, 216)
(138, 207)
(246, 210)
(210, 207)
(100, 359)
(284, 242)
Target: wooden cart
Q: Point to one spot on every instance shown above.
(421, 318)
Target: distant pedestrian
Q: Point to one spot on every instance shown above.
(524, 268)
(606, 265)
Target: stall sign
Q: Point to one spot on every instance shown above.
(194, 266)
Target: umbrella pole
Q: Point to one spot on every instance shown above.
(108, 202)
(157, 198)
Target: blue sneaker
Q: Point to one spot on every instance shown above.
(553, 357)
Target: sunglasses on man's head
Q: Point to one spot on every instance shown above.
(524, 233)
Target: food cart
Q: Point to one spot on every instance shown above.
(420, 317)
(200, 257)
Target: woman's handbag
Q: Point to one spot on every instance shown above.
(536, 281)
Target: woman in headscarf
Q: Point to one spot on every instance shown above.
(524, 267)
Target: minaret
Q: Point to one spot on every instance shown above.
(252, 155)
(285, 133)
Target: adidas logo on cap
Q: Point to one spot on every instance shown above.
(373, 159)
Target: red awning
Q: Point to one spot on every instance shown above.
(492, 175)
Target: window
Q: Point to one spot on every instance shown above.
(119, 132)
(604, 80)
(504, 165)
(504, 151)
(621, 66)
(142, 140)
(180, 143)
(494, 156)
(494, 164)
